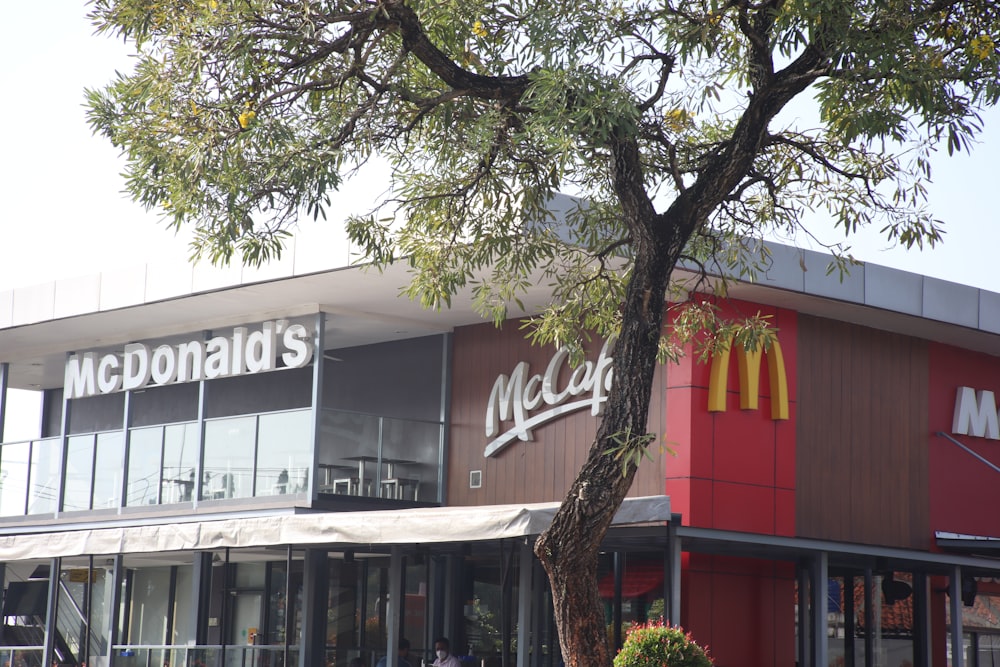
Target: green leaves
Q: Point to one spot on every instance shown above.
(239, 117)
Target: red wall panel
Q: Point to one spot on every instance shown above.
(964, 492)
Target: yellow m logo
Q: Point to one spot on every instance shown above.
(749, 370)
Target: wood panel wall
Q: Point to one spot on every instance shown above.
(523, 472)
(863, 432)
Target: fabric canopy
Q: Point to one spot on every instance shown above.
(382, 527)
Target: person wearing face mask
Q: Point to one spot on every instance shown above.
(442, 648)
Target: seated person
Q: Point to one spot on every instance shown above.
(442, 649)
(403, 652)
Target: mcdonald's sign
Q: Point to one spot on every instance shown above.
(749, 372)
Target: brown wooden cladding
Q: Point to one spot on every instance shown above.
(862, 450)
(523, 472)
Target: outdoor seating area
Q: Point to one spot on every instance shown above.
(371, 476)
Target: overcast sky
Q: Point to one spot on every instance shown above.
(63, 213)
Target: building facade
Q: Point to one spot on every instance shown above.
(301, 469)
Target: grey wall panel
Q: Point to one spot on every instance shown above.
(399, 379)
(165, 405)
(261, 392)
(104, 412)
(51, 412)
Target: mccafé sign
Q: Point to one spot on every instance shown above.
(530, 401)
(140, 365)
(514, 397)
(975, 414)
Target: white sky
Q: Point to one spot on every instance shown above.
(63, 213)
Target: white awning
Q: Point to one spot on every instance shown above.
(382, 527)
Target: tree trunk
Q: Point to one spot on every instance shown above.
(569, 548)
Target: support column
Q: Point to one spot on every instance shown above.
(955, 606)
(4, 381)
(445, 416)
(51, 610)
(672, 575)
(201, 589)
(315, 586)
(616, 601)
(199, 476)
(119, 623)
(541, 617)
(819, 599)
(869, 616)
(63, 445)
(524, 597)
(394, 610)
(804, 647)
(921, 621)
(319, 349)
(126, 454)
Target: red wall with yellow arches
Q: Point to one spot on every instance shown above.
(735, 470)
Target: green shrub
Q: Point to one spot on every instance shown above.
(658, 645)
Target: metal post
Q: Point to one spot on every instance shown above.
(802, 577)
(201, 592)
(64, 444)
(4, 381)
(955, 605)
(394, 609)
(869, 617)
(616, 601)
(126, 454)
(818, 596)
(524, 595)
(315, 587)
(199, 476)
(850, 626)
(672, 575)
(51, 612)
(921, 621)
(289, 619)
(445, 415)
(319, 349)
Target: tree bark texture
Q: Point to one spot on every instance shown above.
(569, 549)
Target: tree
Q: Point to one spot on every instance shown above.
(664, 116)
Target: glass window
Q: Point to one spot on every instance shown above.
(250, 575)
(348, 452)
(14, 478)
(79, 472)
(283, 453)
(43, 473)
(410, 451)
(184, 630)
(180, 461)
(80, 586)
(108, 469)
(144, 450)
(150, 602)
(229, 458)
(280, 625)
(988, 651)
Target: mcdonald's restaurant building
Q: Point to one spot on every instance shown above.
(299, 468)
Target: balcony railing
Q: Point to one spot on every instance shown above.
(265, 454)
(128, 655)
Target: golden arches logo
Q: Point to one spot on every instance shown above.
(749, 371)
